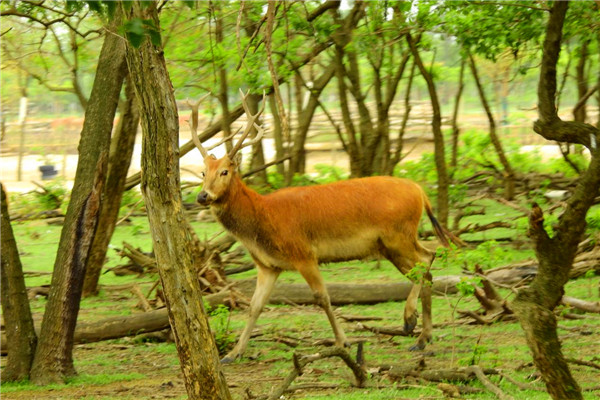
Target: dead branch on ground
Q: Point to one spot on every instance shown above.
(300, 361)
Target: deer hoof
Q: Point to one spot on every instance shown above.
(417, 346)
(410, 324)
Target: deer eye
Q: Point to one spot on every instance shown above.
(224, 172)
(202, 175)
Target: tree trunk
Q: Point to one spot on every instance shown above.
(54, 355)
(534, 306)
(215, 7)
(509, 174)
(20, 334)
(438, 136)
(298, 161)
(455, 128)
(121, 151)
(257, 157)
(582, 82)
(170, 230)
(277, 134)
(396, 155)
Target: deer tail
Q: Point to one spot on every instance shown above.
(439, 231)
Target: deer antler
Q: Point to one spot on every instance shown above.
(249, 125)
(194, 125)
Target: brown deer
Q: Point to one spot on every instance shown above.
(299, 228)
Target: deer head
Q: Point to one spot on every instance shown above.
(220, 172)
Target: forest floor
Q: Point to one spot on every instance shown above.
(126, 369)
(133, 368)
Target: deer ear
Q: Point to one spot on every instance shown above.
(237, 161)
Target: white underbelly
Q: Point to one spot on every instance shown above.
(353, 247)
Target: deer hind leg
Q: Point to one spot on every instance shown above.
(405, 256)
(265, 281)
(310, 272)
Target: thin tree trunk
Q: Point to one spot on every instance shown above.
(23, 111)
(298, 161)
(171, 236)
(509, 174)
(121, 151)
(534, 305)
(257, 158)
(20, 334)
(582, 82)
(53, 360)
(455, 128)
(438, 136)
(222, 73)
(396, 156)
(277, 134)
(352, 146)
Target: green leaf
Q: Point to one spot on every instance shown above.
(155, 38)
(135, 39)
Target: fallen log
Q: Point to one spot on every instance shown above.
(340, 293)
(582, 305)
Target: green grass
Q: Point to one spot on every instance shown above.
(79, 380)
(500, 345)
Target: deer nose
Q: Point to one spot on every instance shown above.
(202, 198)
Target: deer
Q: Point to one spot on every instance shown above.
(299, 228)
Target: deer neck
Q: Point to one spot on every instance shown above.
(239, 210)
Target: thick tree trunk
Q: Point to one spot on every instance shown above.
(170, 230)
(534, 306)
(54, 355)
(121, 151)
(509, 174)
(438, 136)
(20, 334)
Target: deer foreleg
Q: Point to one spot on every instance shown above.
(265, 282)
(313, 277)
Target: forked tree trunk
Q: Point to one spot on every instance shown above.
(122, 145)
(509, 173)
(53, 361)
(534, 305)
(171, 235)
(438, 136)
(20, 334)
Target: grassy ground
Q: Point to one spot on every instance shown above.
(131, 369)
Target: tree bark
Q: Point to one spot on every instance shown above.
(455, 128)
(121, 152)
(20, 334)
(215, 7)
(297, 163)
(509, 174)
(582, 82)
(534, 306)
(53, 360)
(438, 136)
(170, 230)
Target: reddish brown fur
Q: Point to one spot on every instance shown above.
(298, 228)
